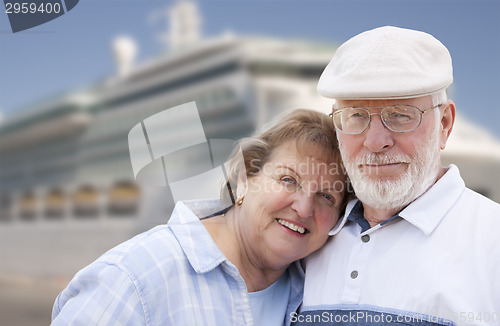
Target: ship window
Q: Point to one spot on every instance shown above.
(27, 206)
(55, 203)
(201, 101)
(5, 207)
(217, 97)
(228, 93)
(123, 199)
(86, 202)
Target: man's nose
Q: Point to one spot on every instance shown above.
(377, 136)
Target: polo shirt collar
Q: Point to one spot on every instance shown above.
(427, 211)
(341, 222)
(356, 214)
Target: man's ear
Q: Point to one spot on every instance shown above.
(447, 121)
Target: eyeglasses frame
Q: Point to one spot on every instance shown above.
(380, 113)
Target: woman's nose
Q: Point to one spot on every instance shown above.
(303, 204)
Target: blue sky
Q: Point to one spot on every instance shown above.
(74, 50)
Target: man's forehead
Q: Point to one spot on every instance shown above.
(417, 101)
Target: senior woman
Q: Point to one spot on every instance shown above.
(239, 267)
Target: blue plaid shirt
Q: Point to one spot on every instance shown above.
(173, 274)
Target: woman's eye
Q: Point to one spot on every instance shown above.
(328, 197)
(288, 180)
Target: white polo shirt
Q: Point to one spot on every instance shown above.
(436, 264)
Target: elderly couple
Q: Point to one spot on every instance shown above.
(416, 247)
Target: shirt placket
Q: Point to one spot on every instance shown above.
(357, 267)
(243, 315)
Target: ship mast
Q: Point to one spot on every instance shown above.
(184, 23)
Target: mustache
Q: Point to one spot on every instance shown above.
(382, 158)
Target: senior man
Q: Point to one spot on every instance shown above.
(418, 247)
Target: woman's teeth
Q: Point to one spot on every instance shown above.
(292, 226)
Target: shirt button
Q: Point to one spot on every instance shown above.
(354, 274)
(365, 238)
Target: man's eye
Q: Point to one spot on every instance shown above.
(397, 115)
(356, 115)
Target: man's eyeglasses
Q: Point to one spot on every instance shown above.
(397, 118)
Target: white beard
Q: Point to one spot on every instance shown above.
(392, 194)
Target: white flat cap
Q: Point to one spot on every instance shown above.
(385, 63)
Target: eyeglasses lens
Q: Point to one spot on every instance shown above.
(397, 118)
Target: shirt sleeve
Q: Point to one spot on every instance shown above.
(100, 294)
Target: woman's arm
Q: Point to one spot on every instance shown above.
(100, 294)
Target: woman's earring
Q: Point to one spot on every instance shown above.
(240, 200)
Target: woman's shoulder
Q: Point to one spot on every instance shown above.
(181, 246)
(155, 248)
(160, 244)
(126, 276)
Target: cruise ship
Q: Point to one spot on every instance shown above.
(67, 187)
